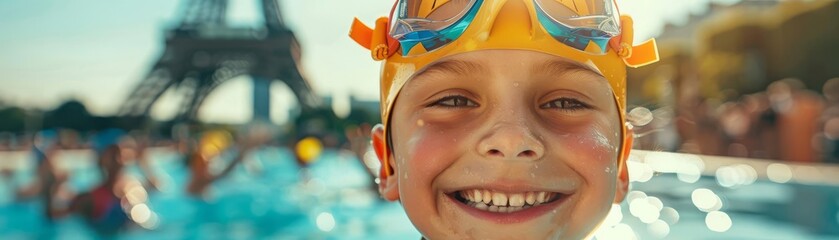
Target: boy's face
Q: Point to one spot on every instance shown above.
(535, 133)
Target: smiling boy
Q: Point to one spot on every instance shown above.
(504, 119)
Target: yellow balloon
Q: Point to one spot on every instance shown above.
(308, 149)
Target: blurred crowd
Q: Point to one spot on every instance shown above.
(785, 121)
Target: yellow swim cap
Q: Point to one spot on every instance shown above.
(420, 32)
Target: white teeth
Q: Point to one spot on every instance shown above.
(516, 200)
(499, 199)
(530, 198)
(504, 202)
(478, 196)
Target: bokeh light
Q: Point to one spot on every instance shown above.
(632, 195)
(639, 171)
(779, 172)
(706, 200)
(643, 210)
(718, 221)
(736, 175)
(136, 194)
(656, 202)
(325, 221)
(659, 229)
(140, 213)
(670, 215)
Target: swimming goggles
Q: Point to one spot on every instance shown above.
(434, 24)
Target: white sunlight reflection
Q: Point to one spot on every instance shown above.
(670, 215)
(612, 228)
(779, 173)
(151, 223)
(136, 194)
(643, 210)
(631, 196)
(659, 229)
(639, 171)
(140, 213)
(325, 221)
(718, 221)
(736, 175)
(655, 202)
(706, 200)
(688, 168)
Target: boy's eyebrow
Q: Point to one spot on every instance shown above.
(559, 67)
(457, 67)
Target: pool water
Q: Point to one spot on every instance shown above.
(335, 203)
(333, 199)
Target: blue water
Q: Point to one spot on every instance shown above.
(248, 204)
(336, 201)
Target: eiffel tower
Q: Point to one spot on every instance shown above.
(202, 52)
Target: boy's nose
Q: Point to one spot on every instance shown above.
(511, 141)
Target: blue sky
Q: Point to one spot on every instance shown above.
(98, 50)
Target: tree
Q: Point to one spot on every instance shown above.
(12, 119)
(71, 114)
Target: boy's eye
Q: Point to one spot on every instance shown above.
(568, 104)
(454, 101)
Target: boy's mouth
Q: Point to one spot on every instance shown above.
(502, 202)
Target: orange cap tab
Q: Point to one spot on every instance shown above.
(633, 56)
(643, 54)
(377, 40)
(361, 33)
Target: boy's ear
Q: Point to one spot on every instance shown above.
(388, 186)
(623, 174)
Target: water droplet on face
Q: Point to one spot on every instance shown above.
(532, 175)
(420, 123)
(515, 84)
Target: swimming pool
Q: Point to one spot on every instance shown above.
(336, 202)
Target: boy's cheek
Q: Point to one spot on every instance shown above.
(601, 156)
(431, 149)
